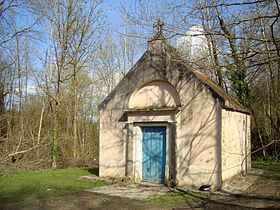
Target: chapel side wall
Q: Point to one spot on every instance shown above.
(197, 144)
(235, 138)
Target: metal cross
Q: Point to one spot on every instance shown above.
(158, 25)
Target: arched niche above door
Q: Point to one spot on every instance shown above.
(154, 94)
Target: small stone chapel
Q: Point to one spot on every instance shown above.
(168, 123)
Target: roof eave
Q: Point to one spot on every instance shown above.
(245, 111)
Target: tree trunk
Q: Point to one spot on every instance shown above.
(238, 71)
(3, 126)
(55, 137)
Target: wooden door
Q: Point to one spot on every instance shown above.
(153, 154)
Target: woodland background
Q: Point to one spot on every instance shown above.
(59, 59)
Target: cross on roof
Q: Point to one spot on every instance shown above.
(158, 25)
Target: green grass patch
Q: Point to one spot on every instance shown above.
(266, 164)
(44, 184)
(177, 197)
(271, 170)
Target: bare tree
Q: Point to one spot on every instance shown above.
(75, 27)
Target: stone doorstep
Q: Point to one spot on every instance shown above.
(108, 180)
(132, 191)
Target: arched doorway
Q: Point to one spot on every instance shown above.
(150, 120)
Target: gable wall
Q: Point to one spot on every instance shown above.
(235, 143)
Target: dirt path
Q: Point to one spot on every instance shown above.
(263, 194)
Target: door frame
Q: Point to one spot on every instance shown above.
(137, 149)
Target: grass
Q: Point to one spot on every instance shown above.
(271, 170)
(270, 166)
(265, 164)
(44, 184)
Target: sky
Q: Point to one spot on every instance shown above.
(24, 19)
(114, 17)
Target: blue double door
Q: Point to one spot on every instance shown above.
(153, 154)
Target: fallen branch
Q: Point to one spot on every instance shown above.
(250, 153)
(23, 151)
(265, 146)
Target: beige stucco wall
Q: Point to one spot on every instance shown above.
(235, 140)
(111, 146)
(197, 137)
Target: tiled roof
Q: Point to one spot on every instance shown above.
(229, 101)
